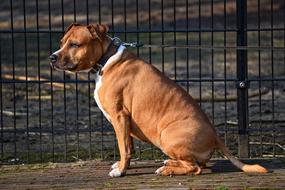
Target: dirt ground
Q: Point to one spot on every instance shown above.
(220, 174)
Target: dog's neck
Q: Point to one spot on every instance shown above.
(110, 49)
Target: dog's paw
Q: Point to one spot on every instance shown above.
(115, 173)
(159, 170)
(115, 165)
(165, 162)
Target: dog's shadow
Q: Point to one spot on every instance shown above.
(221, 166)
(214, 166)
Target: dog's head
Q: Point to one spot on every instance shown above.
(80, 48)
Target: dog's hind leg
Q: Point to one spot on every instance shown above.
(180, 150)
(182, 168)
(173, 163)
(177, 163)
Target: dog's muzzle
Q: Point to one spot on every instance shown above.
(53, 58)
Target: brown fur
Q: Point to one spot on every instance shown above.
(144, 104)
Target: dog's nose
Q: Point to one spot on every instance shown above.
(53, 58)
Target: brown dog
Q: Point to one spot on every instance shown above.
(141, 102)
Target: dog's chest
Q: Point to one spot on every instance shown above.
(99, 79)
(96, 96)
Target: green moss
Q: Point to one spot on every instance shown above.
(222, 188)
(108, 184)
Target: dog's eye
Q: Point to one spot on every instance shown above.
(74, 45)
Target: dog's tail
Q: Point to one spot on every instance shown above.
(244, 167)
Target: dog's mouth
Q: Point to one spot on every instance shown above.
(65, 67)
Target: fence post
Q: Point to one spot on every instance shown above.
(242, 83)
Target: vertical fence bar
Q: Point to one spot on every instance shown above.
(1, 104)
(14, 85)
(39, 76)
(137, 26)
(150, 52)
(138, 54)
(225, 72)
(200, 59)
(212, 61)
(125, 20)
(113, 28)
(89, 121)
(76, 94)
(259, 82)
(162, 35)
(272, 77)
(64, 90)
(187, 42)
(102, 135)
(89, 97)
(27, 86)
(101, 114)
(51, 84)
(242, 84)
(149, 29)
(174, 39)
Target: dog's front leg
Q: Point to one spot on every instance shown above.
(121, 124)
(131, 146)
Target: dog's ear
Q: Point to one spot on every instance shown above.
(98, 31)
(70, 26)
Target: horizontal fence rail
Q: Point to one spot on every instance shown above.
(229, 55)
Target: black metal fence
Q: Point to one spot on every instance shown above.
(229, 55)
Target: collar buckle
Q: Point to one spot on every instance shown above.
(98, 69)
(117, 41)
